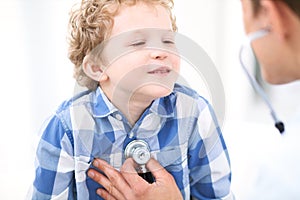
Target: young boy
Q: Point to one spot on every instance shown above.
(124, 52)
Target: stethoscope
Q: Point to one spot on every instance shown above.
(253, 36)
(139, 151)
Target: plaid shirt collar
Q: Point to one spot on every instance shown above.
(101, 106)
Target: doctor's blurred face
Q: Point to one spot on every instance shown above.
(273, 52)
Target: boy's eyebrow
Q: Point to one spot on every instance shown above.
(136, 33)
(142, 31)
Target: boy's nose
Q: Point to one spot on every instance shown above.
(158, 54)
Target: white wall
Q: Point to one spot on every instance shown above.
(37, 76)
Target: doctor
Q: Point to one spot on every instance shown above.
(276, 24)
(278, 53)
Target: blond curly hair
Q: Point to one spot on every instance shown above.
(91, 23)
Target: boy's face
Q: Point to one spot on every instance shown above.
(141, 59)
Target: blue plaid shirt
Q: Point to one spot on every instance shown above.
(181, 130)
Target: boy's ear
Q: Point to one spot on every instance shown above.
(93, 70)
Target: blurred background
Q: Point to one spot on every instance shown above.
(37, 77)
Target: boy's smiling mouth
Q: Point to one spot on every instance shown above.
(160, 71)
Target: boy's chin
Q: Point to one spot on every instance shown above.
(156, 91)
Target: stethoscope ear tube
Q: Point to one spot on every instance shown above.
(252, 36)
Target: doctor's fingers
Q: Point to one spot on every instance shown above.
(137, 184)
(159, 172)
(113, 176)
(105, 195)
(110, 192)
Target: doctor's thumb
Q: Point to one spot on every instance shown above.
(157, 170)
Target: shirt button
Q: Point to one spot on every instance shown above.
(118, 117)
(81, 176)
(131, 135)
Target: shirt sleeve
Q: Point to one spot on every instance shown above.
(210, 172)
(54, 173)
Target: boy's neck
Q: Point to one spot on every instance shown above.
(130, 105)
(136, 109)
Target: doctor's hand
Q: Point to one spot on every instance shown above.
(127, 184)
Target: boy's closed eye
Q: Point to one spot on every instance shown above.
(168, 41)
(138, 43)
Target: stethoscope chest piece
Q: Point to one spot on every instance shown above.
(140, 152)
